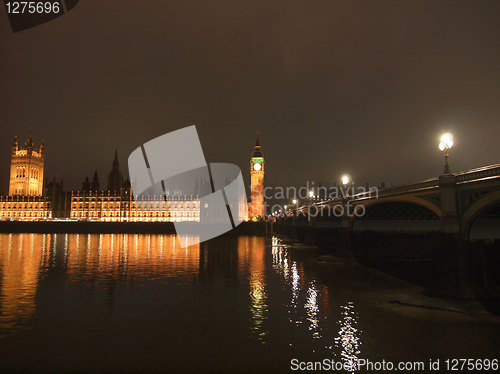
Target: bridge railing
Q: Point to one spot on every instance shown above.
(429, 183)
(375, 193)
(464, 176)
(479, 173)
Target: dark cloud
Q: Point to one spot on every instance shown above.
(365, 87)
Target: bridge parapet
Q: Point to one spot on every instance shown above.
(375, 194)
(429, 183)
(479, 173)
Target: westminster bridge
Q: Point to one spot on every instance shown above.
(451, 221)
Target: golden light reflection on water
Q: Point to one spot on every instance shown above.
(253, 253)
(235, 295)
(26, 258)
(108, 254)
(23, 258)
(20, 258)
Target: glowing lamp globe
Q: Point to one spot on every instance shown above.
(346, 178)
(446, 142)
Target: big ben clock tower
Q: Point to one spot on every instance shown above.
(257, 171)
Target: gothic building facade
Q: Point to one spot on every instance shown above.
(26, 169)
(25, 199)
(30, 199)
(116, 203)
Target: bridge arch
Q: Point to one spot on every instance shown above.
(488, 205)
(406, 198)
(397, 215)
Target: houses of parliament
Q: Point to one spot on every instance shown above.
(30, 198)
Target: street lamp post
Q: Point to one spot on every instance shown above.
(445, 146)
(346, 179)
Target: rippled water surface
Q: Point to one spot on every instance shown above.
(235, 304)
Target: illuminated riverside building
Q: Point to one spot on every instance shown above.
(30, 199)
(121, 207)
(25, 207)
(25, 200)
(118, 205)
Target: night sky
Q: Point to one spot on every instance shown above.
(364, 87)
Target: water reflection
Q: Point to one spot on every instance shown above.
(288, 269)
(109, 255)
(128, 302)
(25, 259)
(19, 261)
(349, 337)
(312, 308)
(304, 295)
(252, 250)
(107, 260)
(316, 303)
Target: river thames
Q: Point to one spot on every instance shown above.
(141, 303)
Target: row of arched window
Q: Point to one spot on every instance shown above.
(23, 206)
(21, 214)
(146, 214)
(21, 172)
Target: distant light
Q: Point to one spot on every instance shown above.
(311, 194)
(294, 201)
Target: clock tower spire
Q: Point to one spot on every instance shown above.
(257, 171)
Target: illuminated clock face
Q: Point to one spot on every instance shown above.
(257, 166)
